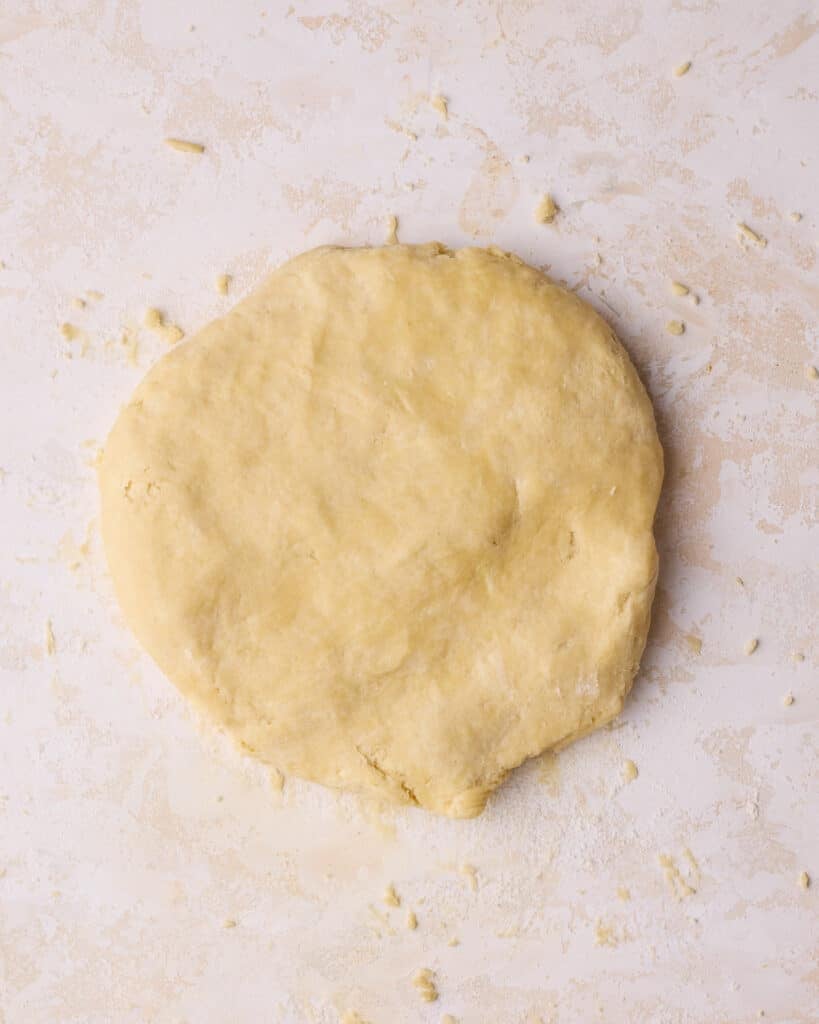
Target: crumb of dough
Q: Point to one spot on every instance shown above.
(2, 265)
(276, 780)
(679, 289)
(751, 646)
(743, 231)
(94, 295)
(623, 894)
(604, 935)
(424, 982)
(788, 699)
(412, 920)
(391, 897)
(682, 69)
(676, 883)
(154, 320)
(50, 642)
(811, 372)
(694, 643)
(69, 331)
(131, 345)
(470, 873)
(78, 303)
(183, 146)
(740, 581)
(448, 1019)
(797, 656)
(675, 327)
(630, 770)
(524, 158)
(804, 880)
(392, 229)
(795, 217)
(439, 103)
(454, 941)
(546, 210)
(223, 283)
(229, 922)
(351, 1017)
(401, 130)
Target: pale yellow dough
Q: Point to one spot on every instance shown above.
(389, 521)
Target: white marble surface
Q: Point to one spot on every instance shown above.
(129, 833)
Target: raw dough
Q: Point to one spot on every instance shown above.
(389, 521)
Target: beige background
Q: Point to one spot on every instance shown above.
(129, 833)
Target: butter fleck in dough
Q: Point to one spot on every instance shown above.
(546, 210)
(183, 146)
(365, 511)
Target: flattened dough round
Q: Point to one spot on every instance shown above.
(389, 521)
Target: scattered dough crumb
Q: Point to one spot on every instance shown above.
(78, 303)
(424, 982)
(694, 643)
(470, 873)
(788, 699)
(448, 1019)
(351, 1017)
(811, 373)
(546, 210)
(682, 69)
(223, 283)
(740, 581)
(229, 923)
(676, 883)
(675, 327)
(623, 894)
(804, 880)
(797, 656)
(679, 289)
(392, 229)
(391, 897)
(630, 771)
(439, 103)
(745, 232)
(50, 642)
(131, 346)
(524, 158)
(69, 331)
(94, 295)
(604, 935)
(795, 217)
(751, 646)
(276, 780)
(454, 941)
(396, 127)
(412, 921)
(155, 321)
(183, 146)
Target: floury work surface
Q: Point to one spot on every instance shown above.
(659, 870)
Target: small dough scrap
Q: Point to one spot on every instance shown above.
(183, 146)
(675, 327)
(391, 897)
(679, 289)
(439, 103)
(811, 372)
(743, 231)
(223, 283)
(392, 230)
(682, 69)
(630, 771)
(412, 920)
(751, 646)
(424, 982)
(388, 522)
(546, 210)
(155, 321)
(804, 880)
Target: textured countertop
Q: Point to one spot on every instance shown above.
(148, 872)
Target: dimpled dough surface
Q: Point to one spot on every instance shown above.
(389, 521)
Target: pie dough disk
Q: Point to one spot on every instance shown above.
(389, 521)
